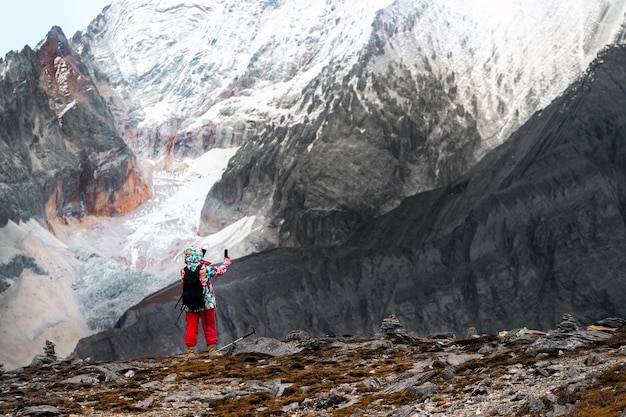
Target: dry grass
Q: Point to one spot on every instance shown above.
(604, 397)
(310, 377)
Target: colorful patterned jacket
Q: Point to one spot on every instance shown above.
(207, 273)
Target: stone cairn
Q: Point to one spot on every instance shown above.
(49, 352)
(567, 324)
(48, 357)
(391, 326)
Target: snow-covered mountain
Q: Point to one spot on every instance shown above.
(434, 71)
(509, 58)
(191, 65)
(319, 115)
(178, 59)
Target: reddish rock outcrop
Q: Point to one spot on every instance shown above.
(62, 155)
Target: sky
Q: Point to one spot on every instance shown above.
(26, 22)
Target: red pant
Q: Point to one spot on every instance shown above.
(207, 317)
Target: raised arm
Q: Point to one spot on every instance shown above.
(217, 270)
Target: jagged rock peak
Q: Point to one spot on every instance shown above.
(61, 74)
(62, 156)
(57, 38)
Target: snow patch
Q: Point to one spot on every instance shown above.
(67, 108)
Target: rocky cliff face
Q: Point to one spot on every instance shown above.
(61, 154)
(371, 139)
(534, 230)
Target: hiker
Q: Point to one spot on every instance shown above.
(204, 311)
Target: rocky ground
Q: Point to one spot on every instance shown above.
(522, 372)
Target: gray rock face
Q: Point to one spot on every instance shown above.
(155, 328)
(535, 230)
(13, 269)
(60, 154)
(393, 135)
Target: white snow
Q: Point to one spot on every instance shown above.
(66, 109)
(235, 61)
(520, 54)
(201, 49)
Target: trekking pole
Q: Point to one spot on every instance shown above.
(238, 340)
(179, 314)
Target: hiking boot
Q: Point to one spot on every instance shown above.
(190, 353)
(214, 353)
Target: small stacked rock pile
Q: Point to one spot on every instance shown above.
(391, 326)
(49, 355)
(567, 324)
(392, 329)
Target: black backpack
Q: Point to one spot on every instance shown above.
(193, 292)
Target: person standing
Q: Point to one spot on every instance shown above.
(204, 311)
